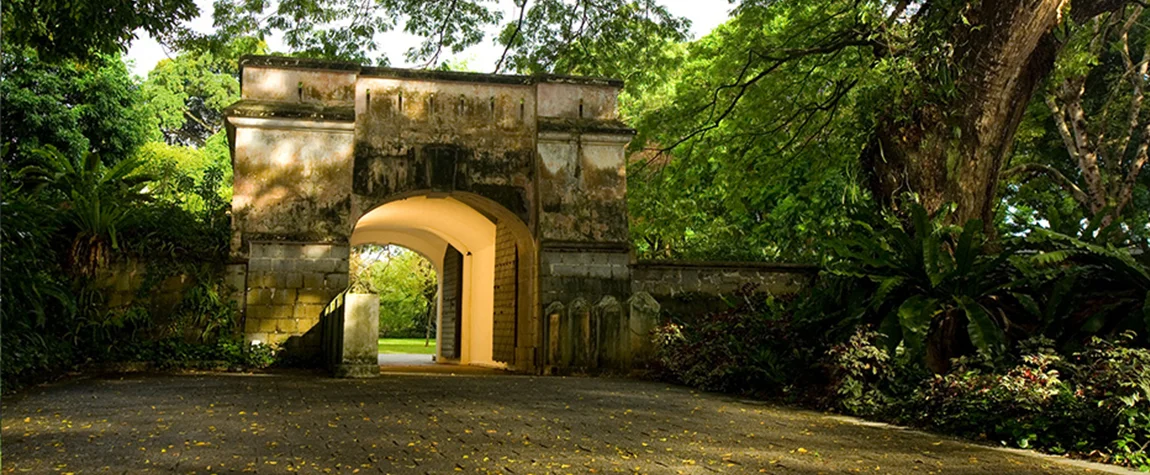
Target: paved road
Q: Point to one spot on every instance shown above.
(444, 423)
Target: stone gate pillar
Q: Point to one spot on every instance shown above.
(583, 228)
(292, 141)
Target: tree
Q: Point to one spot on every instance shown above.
(945, 84)
(543, 35)
(95, 200)
(406, 285)
(772, 180)
(188, 94)
(590, 38)
(67, 30)
(1095, 101)
(78, 108)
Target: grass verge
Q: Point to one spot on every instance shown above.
(408, 346)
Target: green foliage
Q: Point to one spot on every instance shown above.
(406, 285)
(936, 290)
(75, 107)
(1094, 399)
(196, 179)
(1082, 289)
(549, 36)
(34, 288)
(866, 379)
(96, 201)
(1095, 74)
(82, 30)
(1030, 405)
(80, 199)
(187, 94)
(1117, 374)
(753, 348)
(176, 353)
(1091, 402)
(771, 179)
(595, 39)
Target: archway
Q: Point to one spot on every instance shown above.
(406, 283)
(485, 260)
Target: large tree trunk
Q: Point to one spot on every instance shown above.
(954, 152)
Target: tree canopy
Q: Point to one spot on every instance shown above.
(602, 37)
(77, 107)
(67, 30)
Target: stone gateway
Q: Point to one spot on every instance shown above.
(514, 187)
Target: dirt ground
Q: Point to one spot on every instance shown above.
(296, 422)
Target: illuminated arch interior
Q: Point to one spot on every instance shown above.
(426, 225)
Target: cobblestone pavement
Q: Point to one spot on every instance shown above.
(444, 423)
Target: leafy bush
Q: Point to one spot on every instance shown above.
(1117, 376)
(1092, 402)
(1028, 405)
(744, 349)
(1077, 289)
(866, 379)
(177, 353)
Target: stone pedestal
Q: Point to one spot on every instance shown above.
(353, 346)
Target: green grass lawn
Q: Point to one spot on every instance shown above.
(392, 346)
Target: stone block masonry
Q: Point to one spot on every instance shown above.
(673, 278)
(506, 292)
(288, 285)
(693, 288)
(319, 146)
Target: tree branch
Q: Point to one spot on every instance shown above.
(775, 61)
(1050, 172)
(1069, 122)
(442, 31)
(1137, 76)
(511, 40)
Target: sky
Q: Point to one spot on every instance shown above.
(145, 52)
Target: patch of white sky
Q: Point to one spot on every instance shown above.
(145, 52)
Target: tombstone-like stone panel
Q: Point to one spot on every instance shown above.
(642, 319)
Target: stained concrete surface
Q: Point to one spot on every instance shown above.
(295, 422)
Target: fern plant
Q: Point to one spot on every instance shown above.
(96, 200)
(936, 290)
(1090, 289)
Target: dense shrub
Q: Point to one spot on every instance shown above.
(55, 314)
(755, 347)
(1094, 402)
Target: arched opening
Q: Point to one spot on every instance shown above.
(407, 286)
(485, 260)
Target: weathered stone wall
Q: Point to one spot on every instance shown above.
(570, 271)
(694, 288)
(607, 335)
(319, 144)
(122, 281)
(293, 174)
(582, 189)
(288, 286)
(444, 133)
(718, 278)
(506, 293)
